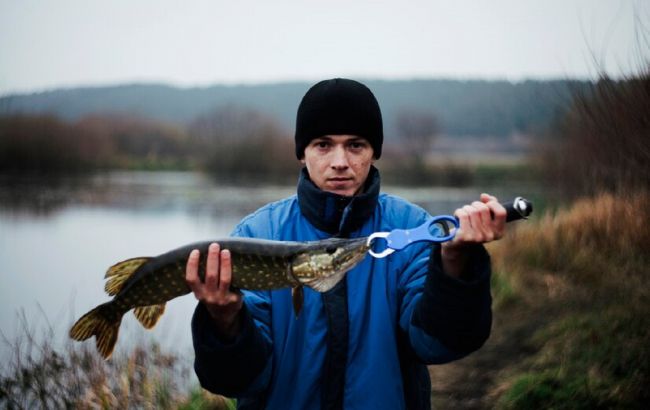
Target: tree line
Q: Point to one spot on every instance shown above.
(228, 142)
(599, 142)
(463, 107)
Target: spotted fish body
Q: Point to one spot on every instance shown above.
(145, 284)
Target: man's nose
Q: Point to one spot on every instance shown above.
(339, 158)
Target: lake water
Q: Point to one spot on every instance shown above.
(57, 241)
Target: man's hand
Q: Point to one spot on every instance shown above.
(481, 222)
(214, 292)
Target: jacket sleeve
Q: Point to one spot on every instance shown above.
(448, 317)
(236, 368)
(241, 367)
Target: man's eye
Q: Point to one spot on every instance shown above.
(357, 145)
(322, 144)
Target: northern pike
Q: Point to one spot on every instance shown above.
(145, 284)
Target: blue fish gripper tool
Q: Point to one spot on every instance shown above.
(435, 229)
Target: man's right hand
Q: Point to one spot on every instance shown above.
(214, 292)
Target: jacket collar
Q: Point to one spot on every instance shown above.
(337, 214)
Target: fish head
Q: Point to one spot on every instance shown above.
(326, 261)
(340, 255)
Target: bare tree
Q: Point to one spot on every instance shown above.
(240, 143)
(601, 143)
(417, 131)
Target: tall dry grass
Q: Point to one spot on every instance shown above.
(596, 238)
(39, 375)
(580, 275)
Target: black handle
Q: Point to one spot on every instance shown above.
(518, 208)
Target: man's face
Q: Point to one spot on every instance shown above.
(339, 163)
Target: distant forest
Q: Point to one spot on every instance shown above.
(222, 130)
(460, 108)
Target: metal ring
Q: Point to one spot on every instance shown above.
(385, 252)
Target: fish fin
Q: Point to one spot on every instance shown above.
(95, 323)
(119, 273)
(297, 296)
(324, 284)
(148, 315)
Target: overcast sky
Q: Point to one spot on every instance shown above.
(64, 43)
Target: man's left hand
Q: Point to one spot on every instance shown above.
(481, 222)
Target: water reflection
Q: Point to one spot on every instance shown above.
(56, 241)
(151, 191)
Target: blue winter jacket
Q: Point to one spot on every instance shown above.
(365, 346)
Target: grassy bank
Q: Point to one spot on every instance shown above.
(573, 285)
(40, 376)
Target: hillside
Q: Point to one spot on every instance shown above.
(476, 108)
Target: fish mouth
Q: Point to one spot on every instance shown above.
(352, 252)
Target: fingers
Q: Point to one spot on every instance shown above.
(481, 213)
(485, 198)
(215, 288)
(226, 274)
(463, 219)
(498, 213)
(473, 220)
(497, 210)
(192, 270)
(481, 221)
(212, 267)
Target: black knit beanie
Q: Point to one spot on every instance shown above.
(339, 107)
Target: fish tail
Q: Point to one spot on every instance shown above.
(97, 323)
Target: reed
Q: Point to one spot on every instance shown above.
(596, 239)
(40, 375)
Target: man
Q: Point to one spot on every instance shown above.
(365, 343)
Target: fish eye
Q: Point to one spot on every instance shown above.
(331, 250)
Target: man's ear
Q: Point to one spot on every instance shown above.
(302, 160)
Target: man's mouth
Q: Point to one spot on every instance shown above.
(339, 179)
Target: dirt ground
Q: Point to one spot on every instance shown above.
(473, 382)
